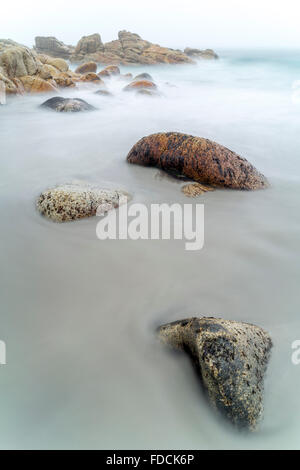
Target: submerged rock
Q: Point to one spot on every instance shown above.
(77, 200)
(87, 67)
(103, 93)
(140, 85)
(60, 104)
(143, 76)
(195, 189)
(231, 358)
(197, 158)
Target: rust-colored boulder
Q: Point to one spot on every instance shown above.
(33, 84)
(109, 71)
(87, 67)
(140, 84)
(197, 158)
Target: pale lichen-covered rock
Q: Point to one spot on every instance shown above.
(231, 358)
(77, 200)
(58, 63)
(19, 61)
(197, 158)
(201, 54)
(67, 105)
(52, 47)
(87, 47)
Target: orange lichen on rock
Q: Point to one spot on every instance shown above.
(197, 158)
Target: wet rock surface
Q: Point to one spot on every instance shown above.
(231, 358)
(60, 104)
(197, 158)
(78, 200)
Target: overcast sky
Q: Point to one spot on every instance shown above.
(210, 23)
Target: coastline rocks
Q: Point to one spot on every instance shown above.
(109, 71)
(78, 200)
(33, 84)
(140, 85)
(201, 54)
(60, 64)
(73, 105)
(87, 67)
(199, 159)
(52, 47)
(231, 358)
(128, 49)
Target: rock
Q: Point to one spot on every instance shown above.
(64, 80)
(201, 54)
(141, 84)
(128, 49)
(103, 93)
(2, 92)
(144, 76)
(109, 71)
(52, 47)
(19, 61)
(231, 358)
(86, 47)
(195, 189)
(59, 64)
(60, 104)
(197, 158)
(147, 92)
(77, 200)
(87, 67)
(91, 77)
(33, 84)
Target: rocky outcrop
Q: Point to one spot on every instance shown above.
(87, 49)
(67, 105)
(197, 158)
(128, 49)
(18, 61)
(231, 358)
(34, 84)
(200, 54)
(87, 67)
(77, 200)
(52, 47)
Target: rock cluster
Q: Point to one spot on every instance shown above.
(231, 358)
(197, 158)
(77, 200)
(200, 54)
(24, 71)
(128, 49)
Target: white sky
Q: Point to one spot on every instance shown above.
(173, 23)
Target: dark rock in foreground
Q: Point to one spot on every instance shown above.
(231, 358)
(60, 104)
(197, 158)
